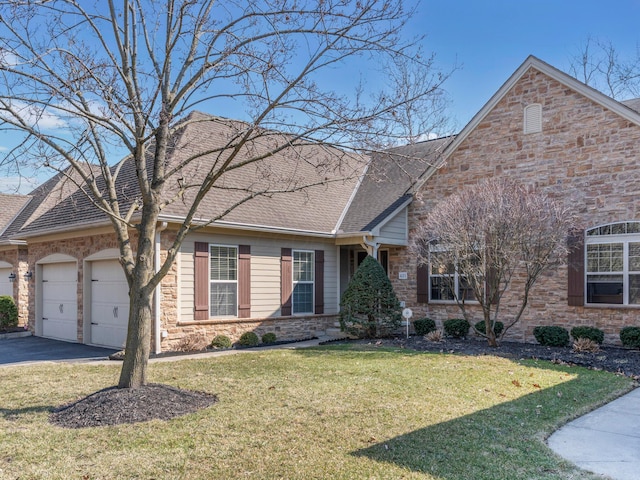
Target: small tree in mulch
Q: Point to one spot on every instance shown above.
(369, 307)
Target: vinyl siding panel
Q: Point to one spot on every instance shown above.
(265, 271)
(395, 230)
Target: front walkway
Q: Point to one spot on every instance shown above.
(605, 441)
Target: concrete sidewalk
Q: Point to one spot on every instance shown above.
(605, 441)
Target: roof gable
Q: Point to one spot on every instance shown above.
(624, 111)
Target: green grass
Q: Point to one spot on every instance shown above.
(332, 412)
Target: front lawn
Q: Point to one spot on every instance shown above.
(332, 412)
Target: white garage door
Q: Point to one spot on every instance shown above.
(6, 287)
(60, 301)
(109, 304)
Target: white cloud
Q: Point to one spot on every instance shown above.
(21, 185)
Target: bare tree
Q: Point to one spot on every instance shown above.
(481, 239)
(600, 65)
(81, 82)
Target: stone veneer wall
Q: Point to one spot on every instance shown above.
(17, 257)
(586, 156)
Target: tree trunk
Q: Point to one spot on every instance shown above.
(491, 335)
(138, 346)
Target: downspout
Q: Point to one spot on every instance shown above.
(156, 299)
(370, 247)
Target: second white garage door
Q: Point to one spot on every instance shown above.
(109, 304)
(60, 301)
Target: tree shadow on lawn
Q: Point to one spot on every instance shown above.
(502, 442)
(15, 413)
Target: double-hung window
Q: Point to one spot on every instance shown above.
(613, 264)
(303, 281)
(223, 299)
(444, 279)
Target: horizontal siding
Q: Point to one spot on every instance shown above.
(395, 230)
(265, 272)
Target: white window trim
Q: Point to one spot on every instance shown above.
(625, 239)
(235, 315)
(456, 282)
(303, 282)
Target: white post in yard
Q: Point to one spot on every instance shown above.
(407, 314)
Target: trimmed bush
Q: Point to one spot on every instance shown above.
(221, 342)
(591, 333)
(630, 337)
(248, 339)
(551, 336)
(369, 307)
(269, 337)
(8, 312)
(498, 327)
(423, 326)
(456, 327)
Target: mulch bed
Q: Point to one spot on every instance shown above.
(612, 359)
(113, 406)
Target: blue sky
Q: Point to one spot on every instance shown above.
(490, 39)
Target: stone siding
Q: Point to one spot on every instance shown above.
(17, 257)
(586, 156)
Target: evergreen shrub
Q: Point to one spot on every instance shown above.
(551, 336)
(590, 333)
(8, 313)
(456, 327)
(248, 339)
(498, 327)
(423, 326)
(630, 337)
(369, 307)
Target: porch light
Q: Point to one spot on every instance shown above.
(12, 277)
(28, 275)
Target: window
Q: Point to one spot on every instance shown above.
(223, 281)
(613, 264)
(303, 282)
(442, 276)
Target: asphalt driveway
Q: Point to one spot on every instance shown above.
(37, 349)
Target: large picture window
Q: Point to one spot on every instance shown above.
(613, 264)
(223, 281)
(444, 279)
(303, 282)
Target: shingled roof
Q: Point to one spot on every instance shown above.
(10, 207)
(318, 181)
(387, 183)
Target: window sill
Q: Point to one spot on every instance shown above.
(452, 302)
(611, 305)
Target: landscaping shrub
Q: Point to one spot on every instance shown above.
(630, 337)
(8, 312)
(435, 336)
(592, 333)
(369, 307)
(551, 336)
(221, 342)
(456, 327)
(269, 337)
(248, 339)
(583, 344)
(193, 342)
(498, 327)
(423, 326)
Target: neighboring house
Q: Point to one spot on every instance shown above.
(279, 263)
(551, 132)
(276, 263)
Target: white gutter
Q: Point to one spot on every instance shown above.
(157, 320)
(249, 227)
